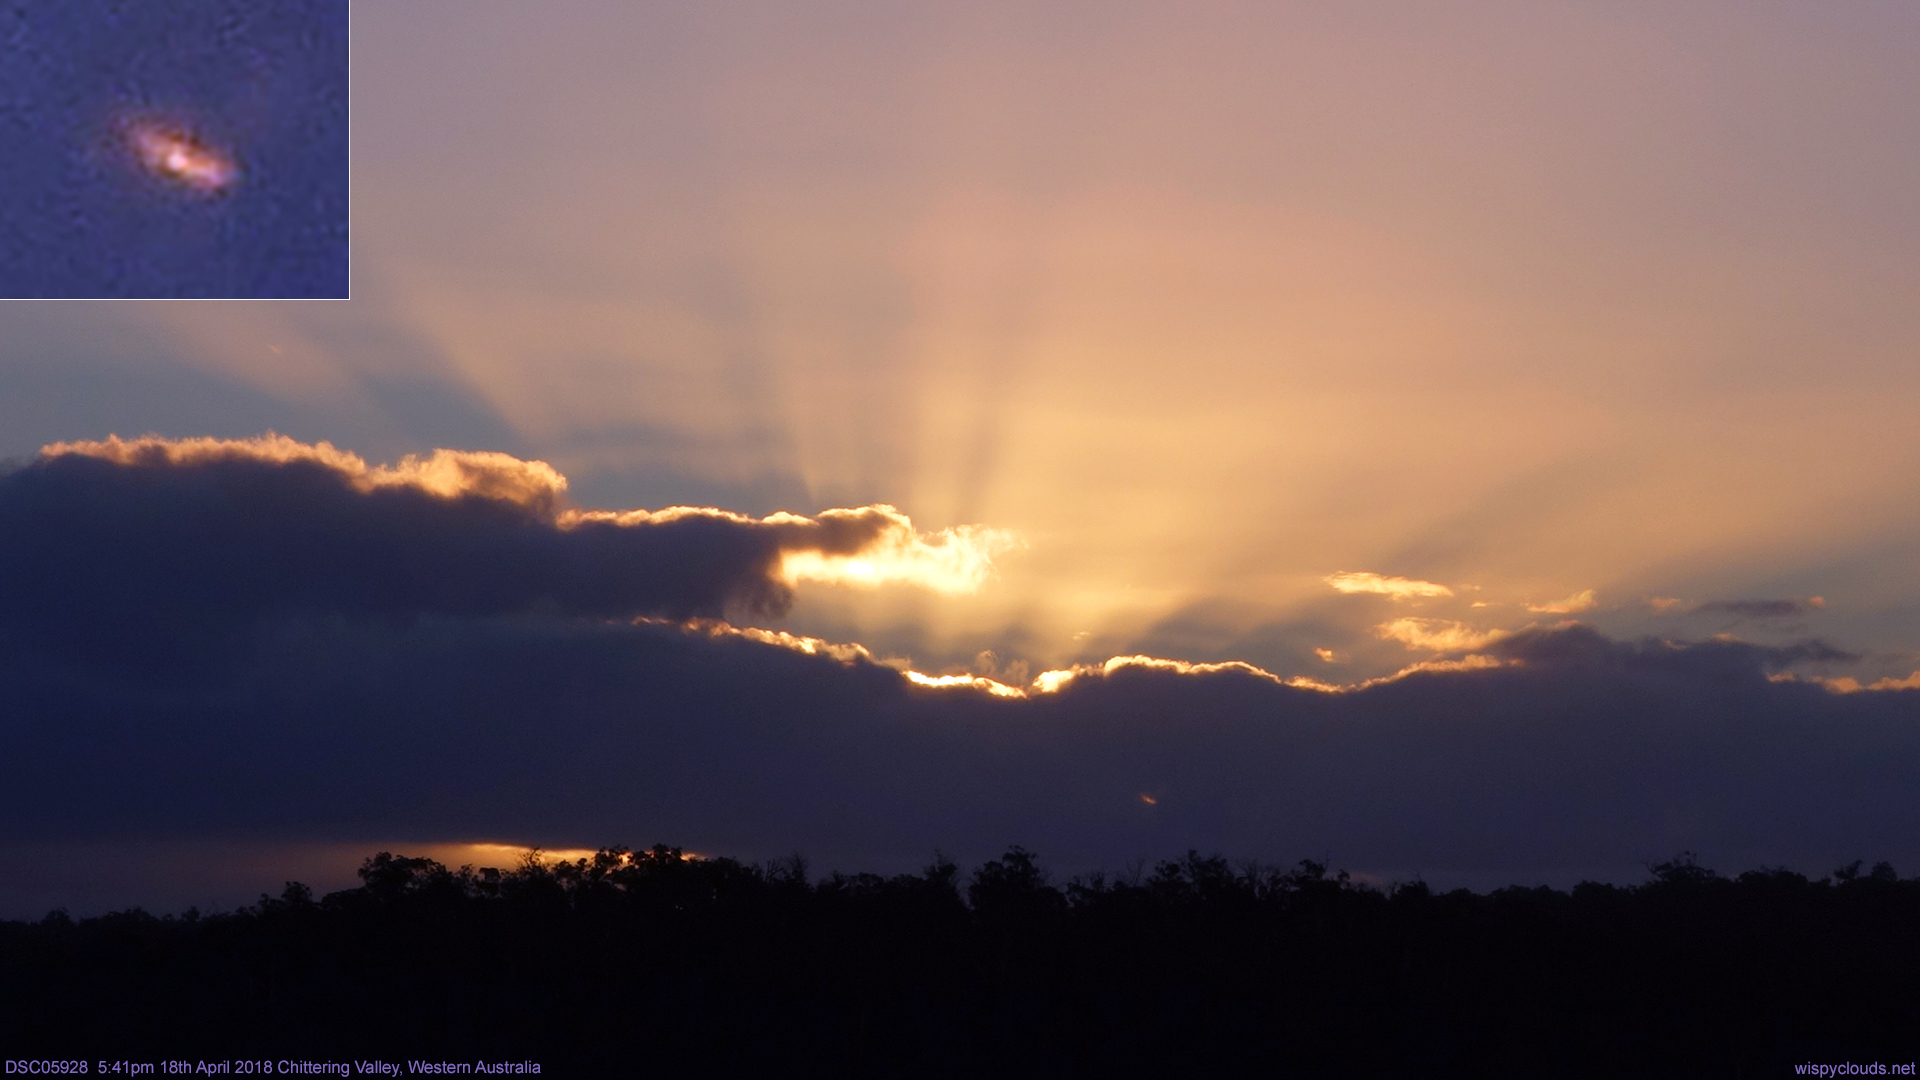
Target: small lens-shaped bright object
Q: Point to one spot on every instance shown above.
(172, 154)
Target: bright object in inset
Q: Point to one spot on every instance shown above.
(175, 155)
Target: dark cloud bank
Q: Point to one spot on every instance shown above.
(1759, 609)
(243, 648)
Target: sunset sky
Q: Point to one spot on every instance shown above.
(1329, 340)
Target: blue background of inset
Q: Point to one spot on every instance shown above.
(266, 81)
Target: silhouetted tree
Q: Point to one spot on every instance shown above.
(1199, 967)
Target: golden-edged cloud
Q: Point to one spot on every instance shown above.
(1440, 635)
(866, 547)
(1046, 683)
(955, 560)
(1398, 588)
(445, 473)
(1580, 601)
(1053, 682)
(1847, 684)
(274, 526)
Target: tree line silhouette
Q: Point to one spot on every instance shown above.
(653, 963)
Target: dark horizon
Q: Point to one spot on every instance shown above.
(1194, 966)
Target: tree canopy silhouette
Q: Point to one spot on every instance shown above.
(684, 965)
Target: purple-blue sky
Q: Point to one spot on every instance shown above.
(1333, 342)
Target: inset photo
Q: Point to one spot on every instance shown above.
(173, 149)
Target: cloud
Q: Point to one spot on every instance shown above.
(955, 560)
(1052, 682)
(446, 473)
(1398, 588)
(1849, 685)
(1761, 609)
(1580, 601)
(328, 652)
(1573, 644)
(1440, 635)
(164, 549)
(1562, 749)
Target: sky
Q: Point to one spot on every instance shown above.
(1469, 443)
(193, 148)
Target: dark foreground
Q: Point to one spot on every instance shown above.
(649, 964)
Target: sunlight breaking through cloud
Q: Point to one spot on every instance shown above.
(864, 547)
(956, 560)
(1049, 682)
(1058, 679)
(978, 682)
